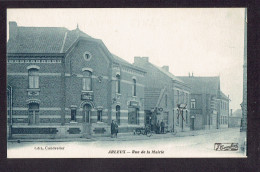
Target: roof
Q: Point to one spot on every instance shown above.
(51, 40)
(208, 85)
(151, 97)
(168, 73)
(43, 39)
(223, 96)
(124, 62)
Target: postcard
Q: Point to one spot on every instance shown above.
(126, 83)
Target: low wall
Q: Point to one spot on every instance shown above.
(73, 130)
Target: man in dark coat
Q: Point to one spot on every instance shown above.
(112, 129)
(116, 129)
(158, 127)
(162, 126)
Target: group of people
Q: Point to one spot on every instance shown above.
(114, 129)
(159, 127)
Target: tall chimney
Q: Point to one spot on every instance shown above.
(166, 68)
(230, 112)
(192, 74)
(189, 74)
(12, 30)
(146, 59)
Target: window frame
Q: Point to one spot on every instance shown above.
(118, 83)
(35, 113)
(87, 76)
(193, 103)
(73, 114)
(33, 78)
(99, 115)
(134, 87)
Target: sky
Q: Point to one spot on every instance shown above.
(205, 41)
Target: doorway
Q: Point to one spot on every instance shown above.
(86, 120)
(192, 124)
(87, 113)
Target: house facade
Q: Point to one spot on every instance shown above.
(67, 84)
(209, 105)
(164, 93)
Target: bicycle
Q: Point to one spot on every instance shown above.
(144, 131)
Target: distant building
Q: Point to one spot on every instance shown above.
(67, 84)
(163, 93)
(235, 118)
(209, 105)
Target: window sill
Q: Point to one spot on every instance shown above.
(73, 122)
(84, 91)
(33, 89)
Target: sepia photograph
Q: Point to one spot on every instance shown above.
(126, 82)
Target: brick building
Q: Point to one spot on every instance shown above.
(209, 105)
(163, 93)
(67, 84)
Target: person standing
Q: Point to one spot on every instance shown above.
(158, 127)
(116, 129)
(112, 128)
(162, 126)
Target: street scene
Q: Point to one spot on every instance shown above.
(126, 83)
(192, 144)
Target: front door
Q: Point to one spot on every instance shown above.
(86, 119)
(86, 113)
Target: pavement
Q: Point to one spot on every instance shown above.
(127, 136)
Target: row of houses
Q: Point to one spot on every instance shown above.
(64, 83)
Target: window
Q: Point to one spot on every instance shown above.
(33, 78)
(182, 97)
(87, 56)
(87, 80)
(73, 115)
(99, 115)
(33, 113)
(117, 83)
(133, 115)
(187, 98)
(193, 103)
(118, 114)
(134, 87)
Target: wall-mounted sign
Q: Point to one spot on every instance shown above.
(134, 103)
(87, 96)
